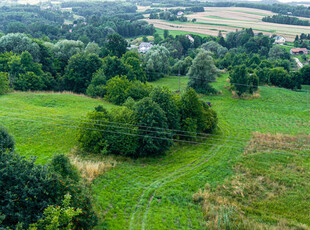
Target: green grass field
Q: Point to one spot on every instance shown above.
(157, 193)
(29, 117)
(175, 32)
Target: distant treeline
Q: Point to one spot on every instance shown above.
(299, 11)
(99, 20)
(283, 19)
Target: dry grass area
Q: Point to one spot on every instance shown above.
(228, 19)
(267, 191)
(262, 141)
(91, 169)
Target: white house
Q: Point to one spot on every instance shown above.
(190, 38)
(144, 47)
(279, 40)
(180, 13)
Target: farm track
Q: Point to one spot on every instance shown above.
(202, 164)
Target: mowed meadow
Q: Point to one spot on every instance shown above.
(230, 19)
(256, 165)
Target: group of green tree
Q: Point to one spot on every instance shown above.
(148, 126)
(284, 19)
(169, 15)
(34, 196)
(100, 20)
(254, 60)
(302, 41)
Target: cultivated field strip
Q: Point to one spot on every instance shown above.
(228, 19)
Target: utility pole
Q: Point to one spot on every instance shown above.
(308, 102)
(179, 81)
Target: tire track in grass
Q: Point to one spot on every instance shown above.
(201, 163)
(147, 195)
(154, 185)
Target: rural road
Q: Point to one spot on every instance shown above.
(299, 64)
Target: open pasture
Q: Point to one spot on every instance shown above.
(157, 193)
(228, 19)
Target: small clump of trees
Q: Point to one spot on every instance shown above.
(147, 127)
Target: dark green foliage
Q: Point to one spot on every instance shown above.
(92, 139)
(196, 114)
(122, 138)
(4, 83)
(282, 19)
(116, 44)
(202, 73)
(18, 43)
(61, 165)
(149, 114)
(26, 190)
(133, 63)
(157, 62)
(239, 78)
(305, 74)
(110, 133)
(113, 66)
(116, 90)
(80, 70)
(182, 66)
(168, 103)
(97, 85)
(138, 90)
(29, 81)
(280, 77)
(278, 52)
(7, 142)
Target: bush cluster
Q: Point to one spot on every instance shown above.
(146, 127)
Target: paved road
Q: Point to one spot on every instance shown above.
(299, 64)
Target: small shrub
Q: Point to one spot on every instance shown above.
(7, 142)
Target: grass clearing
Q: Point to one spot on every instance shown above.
(175, 32)
(156, 193)
(267, 191)
(34, 115)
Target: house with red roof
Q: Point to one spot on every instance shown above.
(299, 51)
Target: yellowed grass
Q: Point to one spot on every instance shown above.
(263, 141)
(91, 169)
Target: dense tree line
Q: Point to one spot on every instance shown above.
(302, 41)
(299, 10)
(282, 19)
(99, 21)
(27, 189)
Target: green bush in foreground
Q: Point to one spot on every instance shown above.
(7, 142)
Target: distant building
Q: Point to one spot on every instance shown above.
(144, 47)
(190, 38)
(299, 51)
(279, 40)
(180, 13)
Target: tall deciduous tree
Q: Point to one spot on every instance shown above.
(202, 72)
(116, 44)
(152, 140)
(18, 43)
(157, 62)
(168, 102)
(80, 70)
